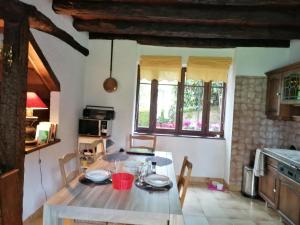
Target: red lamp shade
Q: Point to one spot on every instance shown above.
(34, 101)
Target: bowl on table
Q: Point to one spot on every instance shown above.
(97, 175)
(122, 181)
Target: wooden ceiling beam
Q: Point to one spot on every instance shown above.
(41, 65)
(38, 21)
(268, 3)
(192, 42)
(225, 15)
(185, 31)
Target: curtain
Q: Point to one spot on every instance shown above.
(160, 68)
(208, 68)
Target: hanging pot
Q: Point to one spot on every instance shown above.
(110, 84)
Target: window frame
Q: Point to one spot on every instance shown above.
(178, 131)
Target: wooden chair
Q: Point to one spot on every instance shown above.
(69, 177)
(184, 179)
(146, 138)
(62, 162)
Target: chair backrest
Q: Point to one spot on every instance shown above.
(184, 179)
(62, 162)
(150, 139)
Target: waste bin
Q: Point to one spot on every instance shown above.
(249, 182)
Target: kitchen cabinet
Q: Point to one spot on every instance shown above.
(289, 200)
(283, 93)
(280, 192)
(273, 95)
(268, 186)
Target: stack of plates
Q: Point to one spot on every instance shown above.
(97, 175)
(157, 180)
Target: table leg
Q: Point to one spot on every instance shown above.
(50, 216)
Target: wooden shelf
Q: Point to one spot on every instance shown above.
(30, 149)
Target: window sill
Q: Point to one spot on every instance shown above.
(183, 136)
(31, 149)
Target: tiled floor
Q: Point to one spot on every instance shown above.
(205, 207)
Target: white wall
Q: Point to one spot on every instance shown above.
(257, 61)
(206, 155)
(294, 51)
(68, 65)
(229, 120)
(124, 71)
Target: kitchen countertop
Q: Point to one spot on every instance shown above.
(290, 157)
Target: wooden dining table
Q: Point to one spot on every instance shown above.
(103, 203)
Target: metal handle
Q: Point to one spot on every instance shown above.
(274, 190)
(278, 93)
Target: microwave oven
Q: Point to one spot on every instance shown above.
(94, 127)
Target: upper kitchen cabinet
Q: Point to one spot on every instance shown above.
(283, 93)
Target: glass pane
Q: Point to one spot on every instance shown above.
(166, 105)
(144, 81)
(193, 106)
(174, 82)
(216, 99)
(144, 105)
(291, 87)
(194, 82)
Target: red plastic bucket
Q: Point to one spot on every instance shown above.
(122, 181)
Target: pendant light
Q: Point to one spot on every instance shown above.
(110, 84)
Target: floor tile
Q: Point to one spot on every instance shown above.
(219, 221)
(195, 220)
(242, 222)
(236, 214)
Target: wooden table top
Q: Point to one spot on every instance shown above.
(103, 203)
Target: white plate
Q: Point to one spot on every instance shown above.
(97, 175)
(157, 180)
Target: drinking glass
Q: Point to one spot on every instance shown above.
(142, 172)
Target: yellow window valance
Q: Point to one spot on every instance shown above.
(160, 68)
(208, 68)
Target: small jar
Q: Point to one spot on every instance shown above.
(153, 167)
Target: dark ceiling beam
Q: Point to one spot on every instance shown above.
(271, 3)
(42, 23)
(38, 21)
(192, 42)
(186, 31)
(226, 15)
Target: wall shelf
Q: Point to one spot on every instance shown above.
(31, 149)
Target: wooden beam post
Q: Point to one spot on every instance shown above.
(13, 98)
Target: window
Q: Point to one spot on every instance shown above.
(188, 107)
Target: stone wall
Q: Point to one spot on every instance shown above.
(251, 128)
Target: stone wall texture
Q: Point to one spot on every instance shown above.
(251, 128)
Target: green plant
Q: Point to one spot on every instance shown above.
(144, 118)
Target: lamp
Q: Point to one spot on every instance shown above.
(33, 102)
